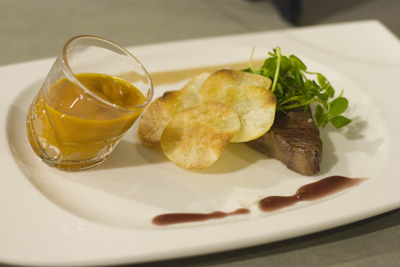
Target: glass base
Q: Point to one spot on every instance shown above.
(64, 165)
(74, 166)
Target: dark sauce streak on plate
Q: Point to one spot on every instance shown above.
(308, 192)
(174, 218)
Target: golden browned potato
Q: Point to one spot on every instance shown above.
(195, 137)
(248, 95)
(161, 110)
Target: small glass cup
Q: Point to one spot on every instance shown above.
(92, 95)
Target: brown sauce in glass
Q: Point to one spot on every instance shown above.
(308, 192)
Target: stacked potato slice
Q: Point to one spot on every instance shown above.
(193, 125)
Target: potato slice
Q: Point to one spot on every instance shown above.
(190, 94)
(226, 78)
(195, 138)
(161, 110)
(156, 117)
(248, 95)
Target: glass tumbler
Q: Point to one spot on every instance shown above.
(92, 95)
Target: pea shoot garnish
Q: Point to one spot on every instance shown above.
(293, 89)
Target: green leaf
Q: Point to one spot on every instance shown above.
(330, 91)
(297, 63)
(270, 63)
(298, 78)
(286, 65)
(321, 79)
(323, 97)
(338, 106)
(340, 121)
(270, 67)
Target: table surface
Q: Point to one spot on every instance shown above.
(35, 29)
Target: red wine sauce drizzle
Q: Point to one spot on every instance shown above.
(174, 218)
(313, 191)
(308, 192)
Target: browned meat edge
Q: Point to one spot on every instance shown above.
(294, 140)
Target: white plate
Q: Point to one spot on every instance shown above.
(103, 216)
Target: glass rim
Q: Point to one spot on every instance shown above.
(71, 75)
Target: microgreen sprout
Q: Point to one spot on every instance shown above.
(293, 88)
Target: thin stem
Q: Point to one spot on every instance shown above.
(251, 59)
(278, 66)
(297, 105)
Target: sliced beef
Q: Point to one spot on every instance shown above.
(294, 140)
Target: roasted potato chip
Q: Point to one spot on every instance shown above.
(160, 111)
(189, 94)
(248, 95)
(156, 117)
(195, 138)
(226, 78)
